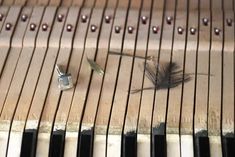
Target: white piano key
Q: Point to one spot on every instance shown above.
(15, 144)
(71, 142)
(114, 146)
(187, 149)
(99, 145)
(215, 146)
(143, 145)
(173, 145)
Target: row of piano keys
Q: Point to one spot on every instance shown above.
(99, 116)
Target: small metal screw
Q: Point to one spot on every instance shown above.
(217, 31)
(193, 30)
(84, 18)
(117, 29)
(130, 29)
(60, 17)
(32, 26)
(93, 28)
(8, 26)
(1, 16)
(44, 27)
(205, 21)
(229, 21)
(169, 20)
(107, 19)
(24, 17)
(180, 30)
(155, 29)
(144, 19)
(69, 27)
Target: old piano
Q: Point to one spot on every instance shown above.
(117, 78)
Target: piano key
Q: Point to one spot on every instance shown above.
(202, 76)
(228, 142)
(72, 126)
(27, 91)
(29, 142)
(228, 78)
(159, 142)
(45, 104)
(57, 144)
(129, 144)
(201, 144)
(17, 82)
(89, 96)
(109, 82)
(186, 123)
(215, 84)
(85, 143)
(122, 92)
(175, 94)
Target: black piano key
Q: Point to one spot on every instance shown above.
(159, 145)
(29, 142)
(228, 142)
(201, 145)
(85, 143)
(129, 145)
(57, 144)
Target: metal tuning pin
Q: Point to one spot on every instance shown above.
(205, 21)
(1, 16)
(144, 19)
(8, 26)
(180, 30)
(24, 17)
(193, 30)
(44, 27)
(84, 18)
(217, 31)
(32, 26)
(117, 29)
(229, 22)
(93, 28)
(130, 29)
(69, 27)
(64, 80)
(169, 20)
(60, 17)
(107, 19)
(155, 29)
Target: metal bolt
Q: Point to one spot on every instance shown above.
(107, 19)
(155, 29)
(64, 80)
(217, 31)
(144, 19)
(60, 17)
(8, 26)
(229, 21)
(1, 16)
(24, 17)
(117, 29)
(93, 28)
(69, 27)
(32, 26)
(84, 18)
(44, 27)
(130, 29)
(193, 30)
(180, 30)
(205, 21)
(169, 20)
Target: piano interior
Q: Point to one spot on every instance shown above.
(117, 78)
